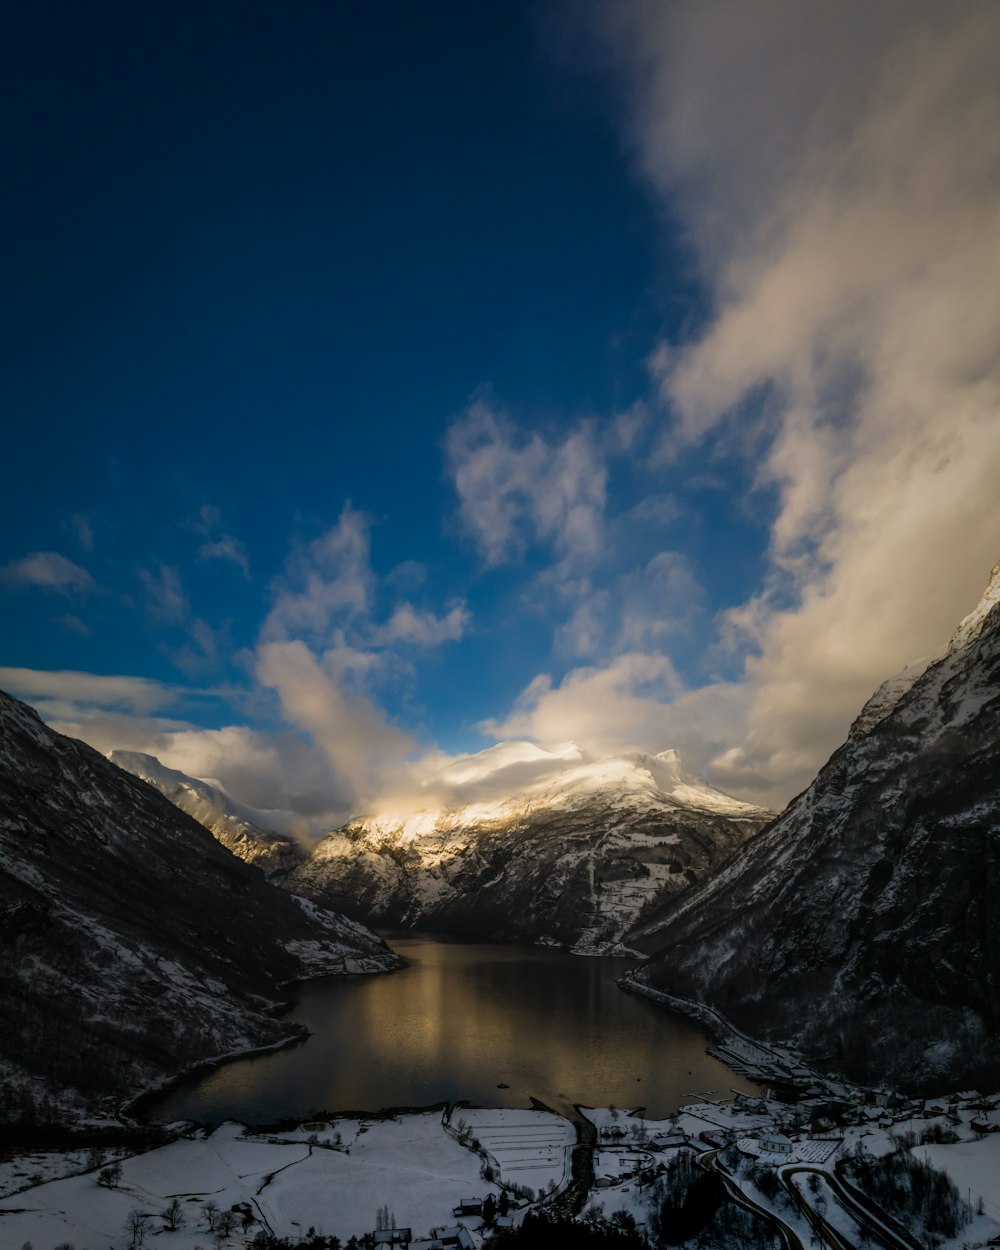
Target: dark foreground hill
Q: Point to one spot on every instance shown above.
(131, 942)
(864, 923)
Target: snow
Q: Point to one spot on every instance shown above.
(530, 1148)
(502, 780)
(974, 1166)
(334, 1175)
(412, 1164)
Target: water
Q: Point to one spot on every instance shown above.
(460, 1022)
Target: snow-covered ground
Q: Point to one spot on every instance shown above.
(335, 1175)
(411, 1164)
(532, 1149)
(974, 1166)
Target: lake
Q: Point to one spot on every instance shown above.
(495, 1025)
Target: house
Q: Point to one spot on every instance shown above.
(469, 1206)
(457, 1235)
(713, 1138)
(775, 1143)
(393, 1236)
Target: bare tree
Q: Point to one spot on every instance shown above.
(136, 1223)
(226, 1222)
(210, 1210)
(110, 1177)
(173, 1216)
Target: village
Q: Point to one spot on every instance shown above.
(802, 1158)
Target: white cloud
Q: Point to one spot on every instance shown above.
(837, 167)
(515, 488)
(421, 628)
(140, 695)
(46, 570)
(363, 748)
(604, 709)
(638, 611)
(326, 582)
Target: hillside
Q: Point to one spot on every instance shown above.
(864, 923)
(132, 942)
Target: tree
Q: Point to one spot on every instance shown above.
(225, 1222)
(173, 1216)
(110, 1177)
(489, 1209)
(504, 1204)
(136, 1223)
(210, 1210)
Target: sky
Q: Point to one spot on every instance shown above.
(386, 381)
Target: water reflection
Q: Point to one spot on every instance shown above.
(459, 1022)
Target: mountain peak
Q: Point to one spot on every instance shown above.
(974, 624)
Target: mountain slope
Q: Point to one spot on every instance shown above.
(236, 826)
(572, 857)
(131, 942)
(865, 922)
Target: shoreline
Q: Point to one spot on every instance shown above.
(750, 1058)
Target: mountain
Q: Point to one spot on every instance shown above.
(571, 854)
(239, 828)
(864, 923)
(131, 942)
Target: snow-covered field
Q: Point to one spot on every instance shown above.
(334, 1176)
(531, 1148)
(286, 1184)
(974, 1166)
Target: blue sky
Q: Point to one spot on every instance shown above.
(386, 380)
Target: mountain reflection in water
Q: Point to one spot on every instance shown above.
(461, 1021)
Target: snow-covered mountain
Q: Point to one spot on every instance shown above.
(243, 830)
(534, 844)
(131, 942)
(865, 922)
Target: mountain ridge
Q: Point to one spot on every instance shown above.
(132, 943)
(861, 924)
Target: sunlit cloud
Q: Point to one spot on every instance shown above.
(603, 708)
(140, 695)
(820, 158)
(360, 743)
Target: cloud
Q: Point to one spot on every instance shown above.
(168, 609)
(140, 695)
(46, 570)
(640, 610)
(74, 624)
(82, 528)
(266, 769)
(412, 626)
(516, 489)
(326, 583)
(363, 748)
(602, 708)
(219, 545)
(836, 167)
